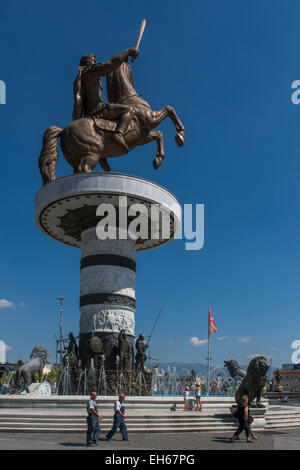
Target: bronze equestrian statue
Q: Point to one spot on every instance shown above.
(104, 130)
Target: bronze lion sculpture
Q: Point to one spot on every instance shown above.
(254, 382)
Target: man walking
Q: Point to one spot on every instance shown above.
(119, 419)
(92, 420)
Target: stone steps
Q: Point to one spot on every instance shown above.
(109, 423)
(138, 419)
(282, 426)
(129, 420)
(144, 414)
(282, 417)
(108, 406)
(282, 413)
(24, 421)
(282, 422)
(106, 402)
(79, 426)
(104, 429)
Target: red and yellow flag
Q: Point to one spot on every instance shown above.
(211, 322)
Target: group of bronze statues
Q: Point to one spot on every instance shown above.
(253, 381)
(94, 349)
(33, 369)
(113, 356)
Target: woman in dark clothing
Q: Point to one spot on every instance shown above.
(244, 419)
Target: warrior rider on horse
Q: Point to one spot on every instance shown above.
(88, 93)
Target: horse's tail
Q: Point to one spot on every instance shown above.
(49, 154)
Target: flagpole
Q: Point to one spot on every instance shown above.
(208, 357)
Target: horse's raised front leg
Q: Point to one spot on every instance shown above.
(168, 111)
(159, 137)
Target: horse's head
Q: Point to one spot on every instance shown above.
(120, 83)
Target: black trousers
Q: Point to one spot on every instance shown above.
(243, 426)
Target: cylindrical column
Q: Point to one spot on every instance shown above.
(107, 292)
(66, 210)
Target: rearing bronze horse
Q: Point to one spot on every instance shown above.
(87, 141)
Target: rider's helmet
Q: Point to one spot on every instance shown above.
(87, 59)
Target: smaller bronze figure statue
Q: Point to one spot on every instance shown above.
(125, 351)
(72, 355)
(277, 376)
(275, 383)
(36, 364)
(140, 357)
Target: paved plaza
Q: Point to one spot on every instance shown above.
(269, 440)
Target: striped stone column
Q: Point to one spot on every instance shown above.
(67, 211)
(107, 290)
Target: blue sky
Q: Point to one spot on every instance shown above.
(226, 66)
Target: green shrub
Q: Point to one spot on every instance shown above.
(53, 375)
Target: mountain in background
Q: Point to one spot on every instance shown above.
(184, 368)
